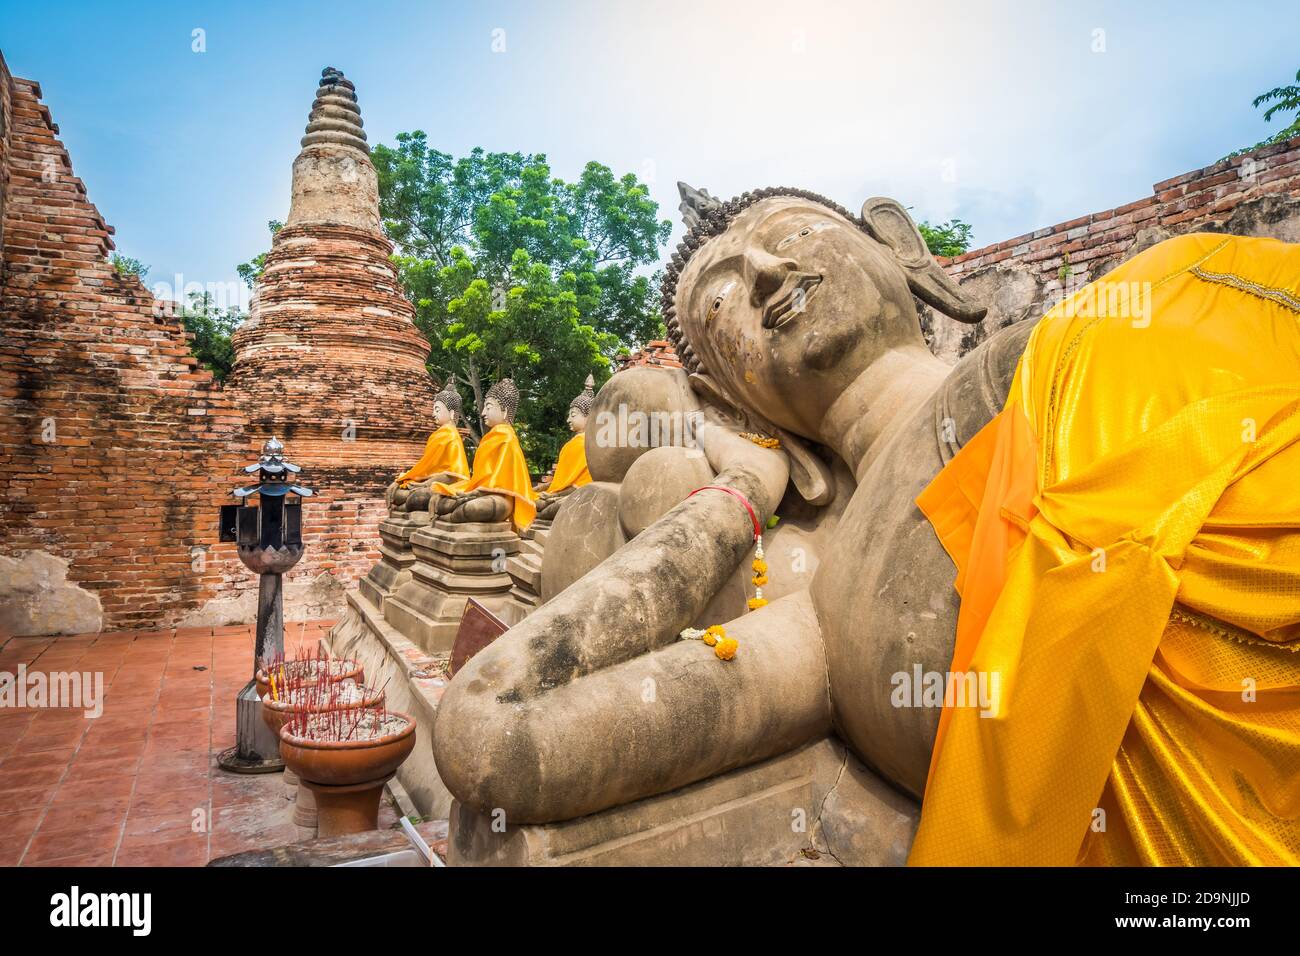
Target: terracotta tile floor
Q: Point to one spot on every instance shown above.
(139, 785)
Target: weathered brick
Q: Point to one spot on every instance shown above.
(146, 444)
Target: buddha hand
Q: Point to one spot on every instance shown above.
(719, 437)
(549, 504)
(477, 506)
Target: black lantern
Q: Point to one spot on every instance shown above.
(266, 526)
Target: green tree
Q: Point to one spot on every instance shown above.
(1283, 99)
(533, 332)
(212, 328)
(250, 271)
(951, 238)
(514, 272)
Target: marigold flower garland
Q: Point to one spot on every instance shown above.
(760, 575)
(762, 441)
(715, 636)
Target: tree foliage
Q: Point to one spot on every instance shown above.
(1281, 99)
(251, 271)
(514, 272)
(212, 328)
(951, 238)
(126, 266)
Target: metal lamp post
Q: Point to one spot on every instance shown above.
(268, 534)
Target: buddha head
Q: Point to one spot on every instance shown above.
(446, 407)
(500, 404)
(778, 300)
(580, 407)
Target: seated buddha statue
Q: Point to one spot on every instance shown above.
(571, 467)
(498, 488)
(1099, 509)
(443, 459)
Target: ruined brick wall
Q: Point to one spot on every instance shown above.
(108, 431)
(657, 353)
(116, 449)
(6, 106)
(1255, 194)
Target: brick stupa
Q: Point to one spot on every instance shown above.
(329, 359)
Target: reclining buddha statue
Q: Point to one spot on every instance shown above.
(498, 487)
(1111, 679)
(571, 467)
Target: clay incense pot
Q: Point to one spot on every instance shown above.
(347, 777)
(276, 712)
(346, 669)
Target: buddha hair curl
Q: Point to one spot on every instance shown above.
(586, 397)
(451, 398)
(506, 394)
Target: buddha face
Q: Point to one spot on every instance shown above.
(441, 414)
(577, 420)
(493, 413)
(790, 305)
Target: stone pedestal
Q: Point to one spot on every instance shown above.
(815, 802)
(395, 556)
(540, 526)
(402, 621)
(352, 808)
(453, 562)
(525, 570)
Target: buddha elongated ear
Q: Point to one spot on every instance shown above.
(810, 475)
(889, 223)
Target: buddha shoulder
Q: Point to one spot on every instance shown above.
(976, 388)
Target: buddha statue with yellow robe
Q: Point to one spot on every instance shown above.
(498, 487)
(1125, 533)
(571, 467)
(444, 456)
(1119, 507)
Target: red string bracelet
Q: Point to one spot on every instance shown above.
(760, 566)
(753, 516)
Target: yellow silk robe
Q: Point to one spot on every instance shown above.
(1127, 538)
(443, 452)
(499, 466)
(571, 467)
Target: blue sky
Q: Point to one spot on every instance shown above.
(1010, 115)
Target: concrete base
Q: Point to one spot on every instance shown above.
(334, 851)
(453, 562)
(411, 685)
(525, 570)
(396, 557)
(817, 798)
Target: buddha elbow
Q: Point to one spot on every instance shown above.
(489, 755)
